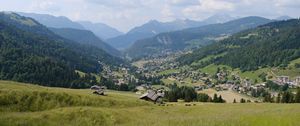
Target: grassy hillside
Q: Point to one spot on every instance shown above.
(57, 106)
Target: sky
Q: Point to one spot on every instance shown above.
(126, 14)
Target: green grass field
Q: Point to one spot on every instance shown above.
(31, 105)
(167, 72)
(252, 75)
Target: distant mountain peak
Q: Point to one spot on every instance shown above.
(153, 21)
(190, 38)
(219, 18)
(85, 37)
(102, 30)
(53, 21)
(20, 19)
(284, 17)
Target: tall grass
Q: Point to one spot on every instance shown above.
(36, 98)
(30, 105)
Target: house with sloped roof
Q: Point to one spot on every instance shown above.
(98, 89)
(151, 95)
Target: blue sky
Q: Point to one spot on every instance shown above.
(125, 14)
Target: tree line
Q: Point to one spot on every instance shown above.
(188, 94)
(284, 97)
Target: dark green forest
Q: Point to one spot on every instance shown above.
(85, 37)
(29, 52)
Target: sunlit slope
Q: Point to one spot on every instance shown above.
(69, 107)
(26, 97)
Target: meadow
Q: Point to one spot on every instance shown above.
(31, 105)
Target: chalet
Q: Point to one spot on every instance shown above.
(229, 83)
(247, 83)
(151, 95)
(218, 88)
(95, 87)
(282, 79)
(222, 87)
(120, 81)
(235, 88)
(199, 88)
(143, 87)
(297, 81)
(98, 89)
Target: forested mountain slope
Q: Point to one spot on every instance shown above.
(155, 27)
(273, 44)
(191, 38)
(29, 52)
(150, 29)
(101, 30)
(85, 37)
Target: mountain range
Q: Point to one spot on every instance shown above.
(192, 37)
(154, 27)
(285, 17)
(85, 37)
(101, 30)
(53, 21)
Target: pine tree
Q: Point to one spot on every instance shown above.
(284, 98)
(278, 98)
(243, 100)
(297, 97)
(268, 98)
(220, 99)
(234, 101)
(287, 97)
(215, 99)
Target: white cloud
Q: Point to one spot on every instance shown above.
(207, 6)
(167, 13)
(183, 2)
(215, 5)
(125, 14)
(288, 3)
(46, 5)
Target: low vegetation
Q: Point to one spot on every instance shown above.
(188, 94)
(122, 108)
(20, 97)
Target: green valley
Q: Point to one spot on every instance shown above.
(149, 63)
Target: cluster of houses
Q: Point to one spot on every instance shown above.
(247, 89)
(122, 76)
(281, 80)
(246, 86)
(194, 76)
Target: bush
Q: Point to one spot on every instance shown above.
(201, 97)
(188, 94)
